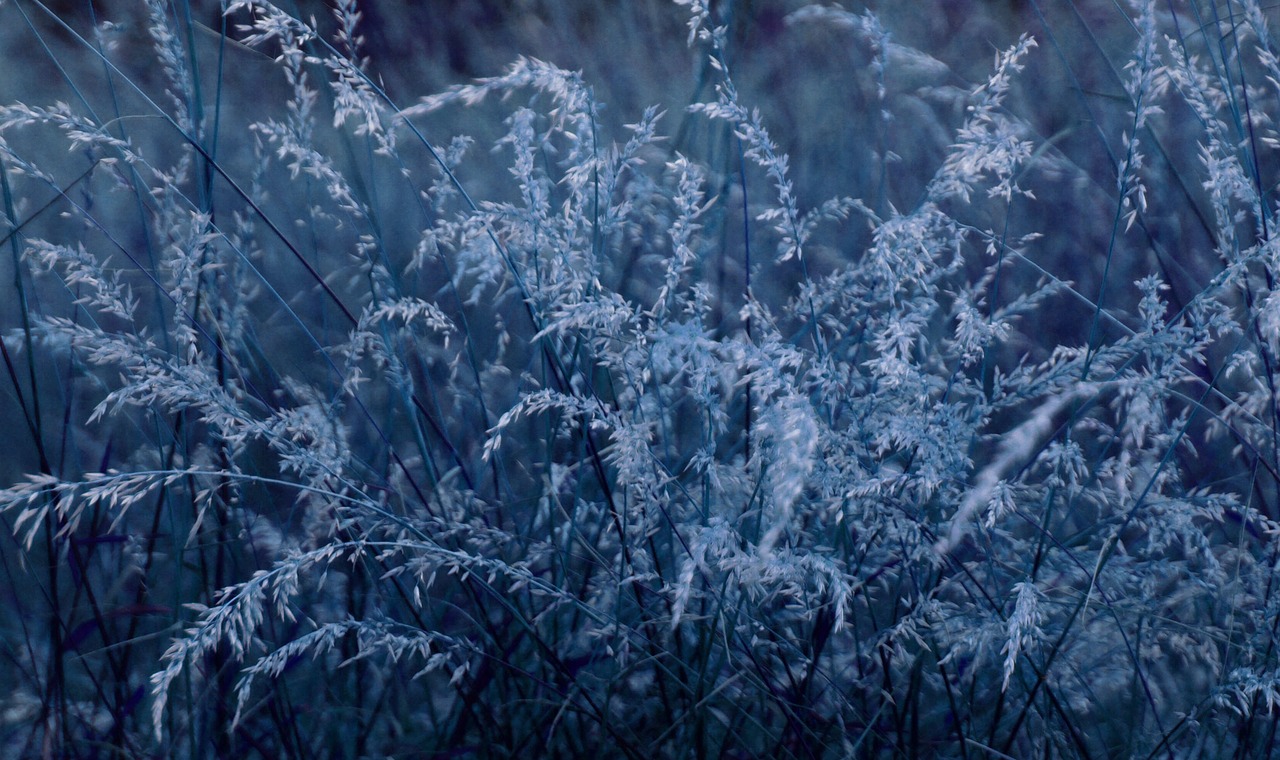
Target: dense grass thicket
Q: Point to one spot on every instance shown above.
(752, 379)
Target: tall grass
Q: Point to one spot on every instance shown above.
(339, 433)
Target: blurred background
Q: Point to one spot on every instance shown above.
(848, 130)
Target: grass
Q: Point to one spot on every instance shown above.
(918, 409)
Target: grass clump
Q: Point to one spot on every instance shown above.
(343, 433)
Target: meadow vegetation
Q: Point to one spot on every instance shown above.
(730, 379)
